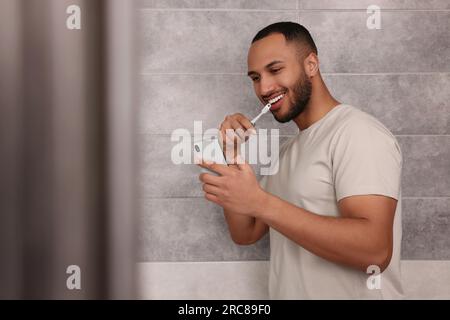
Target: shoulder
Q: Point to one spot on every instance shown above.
(354, 126)
(353, 120)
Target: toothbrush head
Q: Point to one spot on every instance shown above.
(266, 108)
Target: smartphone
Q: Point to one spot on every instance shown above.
(209, 149)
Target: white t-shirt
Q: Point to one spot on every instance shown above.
(347, 152)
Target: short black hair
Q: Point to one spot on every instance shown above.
(292, 32)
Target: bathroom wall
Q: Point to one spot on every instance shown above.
(193, 67)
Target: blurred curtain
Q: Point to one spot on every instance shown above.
(68, 149)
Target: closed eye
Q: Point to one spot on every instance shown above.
(276, 70)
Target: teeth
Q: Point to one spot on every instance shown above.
(271, 101)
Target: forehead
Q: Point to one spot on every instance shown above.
(272, 47)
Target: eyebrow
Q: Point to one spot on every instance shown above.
(266, 67)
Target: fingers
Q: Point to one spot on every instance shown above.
(209, 188)
(238, 129)
(212, 198)
(232, 131)
(241, 164)
(210, 179)
(235, 129)
(221, 169)
(246, 124)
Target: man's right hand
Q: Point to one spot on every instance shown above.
(234, 130)
(244, 230)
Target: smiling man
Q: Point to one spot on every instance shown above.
(333, 208)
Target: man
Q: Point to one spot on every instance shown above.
(332, 208)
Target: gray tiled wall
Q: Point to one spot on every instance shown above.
(193, 67)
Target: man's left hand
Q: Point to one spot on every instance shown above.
(236, 189)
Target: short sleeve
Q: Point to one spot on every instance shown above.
(366, 159)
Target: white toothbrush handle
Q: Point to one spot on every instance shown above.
(263, 111)
(256, 118)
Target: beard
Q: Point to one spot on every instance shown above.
(302, 93)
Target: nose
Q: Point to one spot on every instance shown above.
(267, 86)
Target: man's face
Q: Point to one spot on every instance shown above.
(274, 67)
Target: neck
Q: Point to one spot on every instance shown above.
(320, 103)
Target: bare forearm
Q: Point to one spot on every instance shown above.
(240, 226)
(348, 241)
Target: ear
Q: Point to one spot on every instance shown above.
(311, 65)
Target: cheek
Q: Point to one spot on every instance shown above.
(290, 87)
(287, 81)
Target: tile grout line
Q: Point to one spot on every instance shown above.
(381, 10)
(192, 73)
(443, 197)
(324, 73)
(207, 261)
(201, 197)
(292, 10)
(385, 73)
(293, 135)
(257, 261)
(422, 135)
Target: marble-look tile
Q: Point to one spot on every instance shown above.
(206, 41)
(383, 4)
(201, 41)
(426, 229)
(169, 102)
(219, 4)
(408, 41)
(405, 104)
(190, 229)
(426, 166)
